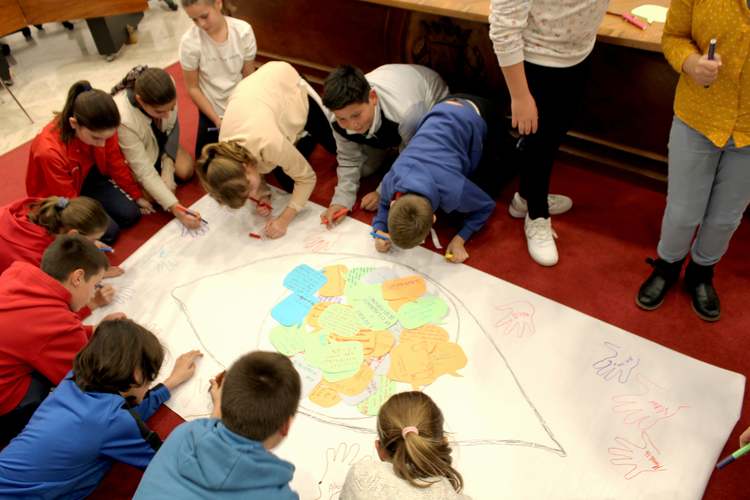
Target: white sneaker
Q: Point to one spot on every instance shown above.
(557, 203)
(540, 240)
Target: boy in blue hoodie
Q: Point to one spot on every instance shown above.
(229, 456)
(453, 164)
(94, 417)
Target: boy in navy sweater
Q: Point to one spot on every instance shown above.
(94, 417)
(453, 164)
(228, 456)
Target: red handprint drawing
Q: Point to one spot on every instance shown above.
(648, 406)
(640, 458)
(515, 318)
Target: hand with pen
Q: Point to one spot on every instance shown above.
(703, 69)
(104, 295)
(382, 240)
(189, 218)
(456, 252)
(262, 206)
(333, 215)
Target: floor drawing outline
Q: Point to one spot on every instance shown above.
(558, 449)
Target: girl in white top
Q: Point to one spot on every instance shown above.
(414, 452)
(215, 55)
(149, 136)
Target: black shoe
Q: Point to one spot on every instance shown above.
(655, 288)
(699, 283)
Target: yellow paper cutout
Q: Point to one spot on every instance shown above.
(425, 333)
(357, 383)
(396, 304)
(408, 287)
(313, 317)
(336, 281)
(324, 395)
(374, 343)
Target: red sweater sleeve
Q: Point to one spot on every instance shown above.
(55, 359)
(117, 168)
(49, 174)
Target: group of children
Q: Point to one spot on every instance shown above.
(74, 398)
(108, 158)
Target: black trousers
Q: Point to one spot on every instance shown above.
(558, 93)
(11, 424)
(319, 132)
(122, 210)
(497, 166)
(203, 135)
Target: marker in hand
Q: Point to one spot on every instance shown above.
(734, 456)
(336, 216)
(711, 55)
(106, 249)
(191, 213)
(375, 234)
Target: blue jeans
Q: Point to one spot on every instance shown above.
(708, 191)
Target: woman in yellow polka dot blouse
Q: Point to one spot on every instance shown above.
(709, 148)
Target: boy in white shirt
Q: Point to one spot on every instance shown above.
(215, 55)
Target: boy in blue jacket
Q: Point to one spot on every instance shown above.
(229, 457)
(94, 417)
(453, 164)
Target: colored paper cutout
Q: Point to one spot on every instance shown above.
(308, 374)
(342, 360)
(385, 389)
(313, 317)
(324, 395)
(288, 340)
(316, 348)
(293, 309)
(651, 13)
(428, 309)
(425, 333)
(408, 287)
(336, 276)
(355, 275)
(340, 319)
(374, 313)
(357, 383)
(304, 280)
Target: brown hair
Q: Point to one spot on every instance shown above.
(221, 170)
(416, 456)
(153, 85)
(92, 108)
(118, 349)
(260, 393)
(70, 252)
(58, 214)
(409, 220)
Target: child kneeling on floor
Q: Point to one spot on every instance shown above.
(229, 456)
(94, 417)
(415, 455)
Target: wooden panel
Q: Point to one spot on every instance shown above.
(47, 11)
(613, 29)
(12, 18)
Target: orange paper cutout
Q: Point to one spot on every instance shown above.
(336, 281)
(408, 287)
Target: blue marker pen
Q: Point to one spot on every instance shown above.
(375, 234)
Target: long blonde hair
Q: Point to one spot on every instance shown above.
(410, 429)
(221, 170)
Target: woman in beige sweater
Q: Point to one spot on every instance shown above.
(268, 112)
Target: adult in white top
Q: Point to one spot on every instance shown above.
(149, 136)
(215, 55)
(374, 113)
(543, 47)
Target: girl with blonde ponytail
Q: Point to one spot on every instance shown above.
(415, 455)
(29, 225)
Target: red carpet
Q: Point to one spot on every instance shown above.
(603, 241)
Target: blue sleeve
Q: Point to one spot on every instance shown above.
(123, 441)
(153, 400)
(478, 206)
(380, 221)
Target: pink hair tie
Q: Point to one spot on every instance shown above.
(407, 430)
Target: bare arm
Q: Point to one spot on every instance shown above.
(191, 81)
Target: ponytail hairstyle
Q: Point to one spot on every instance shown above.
(58, 214)
(410, 429)
(92, 108)
(153, 85)
(221, 170)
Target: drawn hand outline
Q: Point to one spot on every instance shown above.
(515, 318)
(640, 458)
(647, 407)
(611, 366)
(338, 463)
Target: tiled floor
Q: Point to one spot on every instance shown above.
(44, 69)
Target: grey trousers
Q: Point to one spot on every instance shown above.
(708, 191)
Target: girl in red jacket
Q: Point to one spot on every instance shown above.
(29, 225)
(77, 153)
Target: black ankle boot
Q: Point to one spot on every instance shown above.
(699, 283)
(655, 288)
